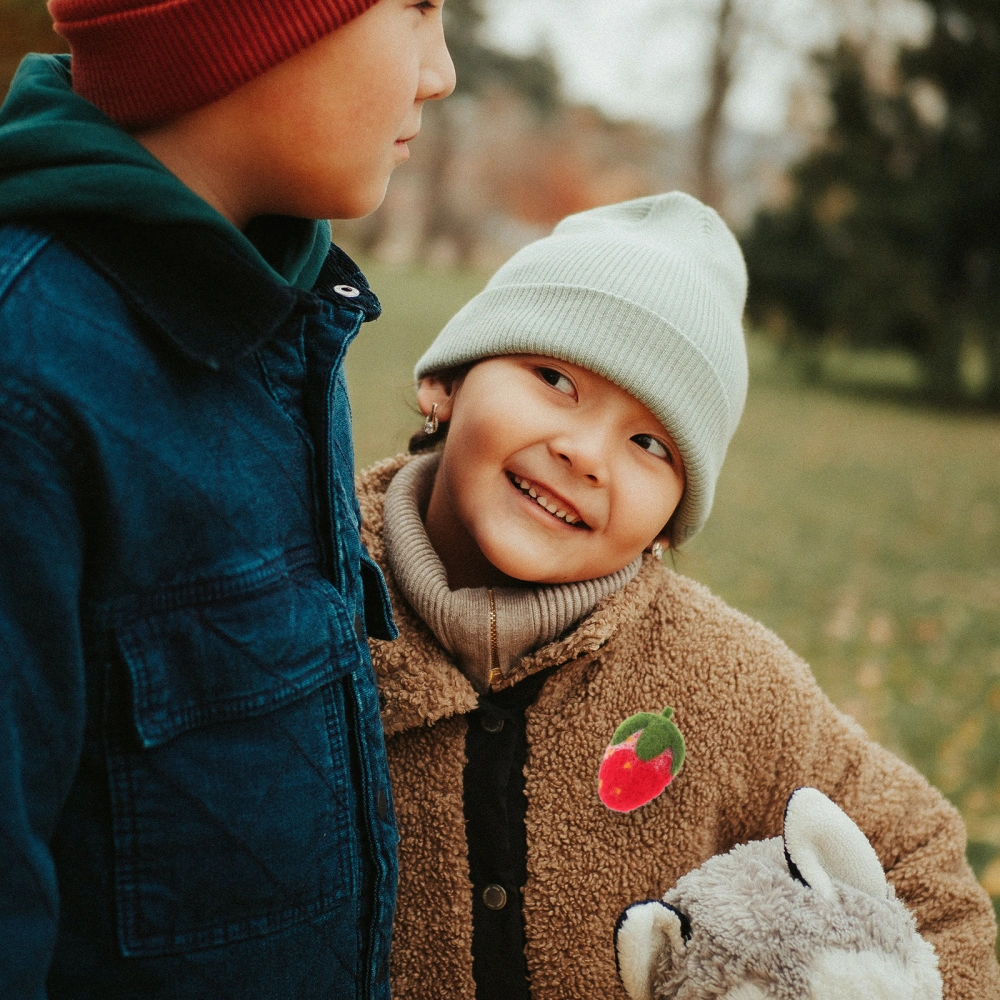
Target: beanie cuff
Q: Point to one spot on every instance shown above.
(668, 374)
(145, 63)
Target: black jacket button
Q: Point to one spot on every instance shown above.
(495, 896)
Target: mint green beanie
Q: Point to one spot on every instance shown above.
(648, 293)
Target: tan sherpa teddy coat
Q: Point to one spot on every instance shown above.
(756, 726)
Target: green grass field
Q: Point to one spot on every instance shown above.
(866, 535)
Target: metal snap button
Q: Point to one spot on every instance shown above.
(491, 723)
(347, 291)
(382, 805)
(495, 896)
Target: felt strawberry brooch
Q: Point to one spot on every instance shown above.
(642, 758)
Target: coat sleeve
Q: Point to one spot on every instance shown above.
(917, 834)
(41, 684)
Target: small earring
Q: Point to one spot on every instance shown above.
(431, 421)
(657, 550)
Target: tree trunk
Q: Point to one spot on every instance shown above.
(442, 221)
(707, 180)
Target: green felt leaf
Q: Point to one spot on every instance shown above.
(658, 736)
(632, 725)
(678, 753)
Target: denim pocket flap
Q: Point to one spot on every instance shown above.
(235, 658)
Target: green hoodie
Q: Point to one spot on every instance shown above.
(60, 154)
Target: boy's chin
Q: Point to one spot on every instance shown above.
(353, 204)
(358, 203)
(360, 206)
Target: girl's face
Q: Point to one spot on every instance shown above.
(549, 474)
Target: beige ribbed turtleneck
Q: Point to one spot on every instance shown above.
(487, 630)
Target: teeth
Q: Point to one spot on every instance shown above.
(544, 501)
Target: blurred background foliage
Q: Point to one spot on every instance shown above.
(891, 236)
(25, 26)
(859, 510)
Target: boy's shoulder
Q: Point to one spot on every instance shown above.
(63, 332)
(48, 292)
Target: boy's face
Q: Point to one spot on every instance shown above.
(522, 425)
(319, 135)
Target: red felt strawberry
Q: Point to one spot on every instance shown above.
(642, 758)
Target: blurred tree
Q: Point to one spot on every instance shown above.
(25, 26)
(892, 237)
(738, 36)
(722, 71)
(479, 68)
(961, 168)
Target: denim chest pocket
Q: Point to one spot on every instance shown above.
(234, 810)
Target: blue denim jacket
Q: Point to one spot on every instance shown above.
(194, 796)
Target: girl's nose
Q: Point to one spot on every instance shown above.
(437, 71)
(585, 451)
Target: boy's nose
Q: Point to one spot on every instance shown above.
(437, 73)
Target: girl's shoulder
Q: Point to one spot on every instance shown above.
(685, 630)
(680, 610)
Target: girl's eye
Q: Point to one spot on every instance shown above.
(654, 446)
(557, 380)
(426, 6)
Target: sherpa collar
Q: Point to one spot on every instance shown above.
(419, 681)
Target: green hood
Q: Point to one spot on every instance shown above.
(60, 154)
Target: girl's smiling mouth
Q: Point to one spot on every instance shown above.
(545, 499)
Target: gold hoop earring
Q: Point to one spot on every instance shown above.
(431, 421)
(657, 550)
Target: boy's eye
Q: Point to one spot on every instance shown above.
(426, 6)
(654, 446)
(557, 380)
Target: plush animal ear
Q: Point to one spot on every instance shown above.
(643, 932)
(823, 845)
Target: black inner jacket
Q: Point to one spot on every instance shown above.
(495, 808)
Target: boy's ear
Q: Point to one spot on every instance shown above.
(432, 390)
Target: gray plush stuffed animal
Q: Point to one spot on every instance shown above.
(806, 916)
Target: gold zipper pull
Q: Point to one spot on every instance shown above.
(496, 674)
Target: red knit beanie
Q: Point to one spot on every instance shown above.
(146, 61)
